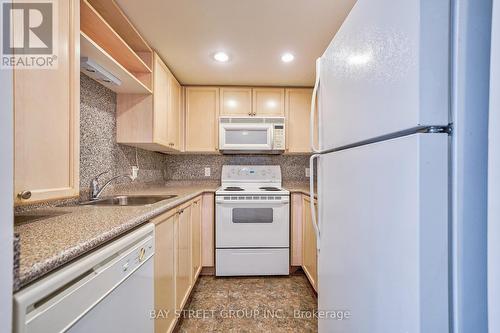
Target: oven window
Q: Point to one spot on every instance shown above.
(244, 137)
(252, 215)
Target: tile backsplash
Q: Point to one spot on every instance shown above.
(192, 167)
(99, 151)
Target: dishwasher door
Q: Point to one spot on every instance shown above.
(125, 309)
(108, 290)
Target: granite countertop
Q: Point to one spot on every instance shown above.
(299, 187)
(72, 231)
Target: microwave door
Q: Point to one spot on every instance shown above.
(246, 137)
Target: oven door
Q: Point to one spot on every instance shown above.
(246, 137)
(244, 223)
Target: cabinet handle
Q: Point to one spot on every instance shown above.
(25, 195)
(249, 113)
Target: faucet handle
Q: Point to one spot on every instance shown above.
(94, 185)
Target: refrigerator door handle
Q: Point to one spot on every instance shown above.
(313, 106)
(316, 226)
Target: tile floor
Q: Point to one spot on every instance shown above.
(253, 304)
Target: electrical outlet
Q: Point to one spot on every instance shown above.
(207, 172)
(308, 173)
(135, 172)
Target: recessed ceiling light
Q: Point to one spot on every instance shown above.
(221, 57)
(287, 57)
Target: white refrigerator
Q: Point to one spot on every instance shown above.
(383, 169)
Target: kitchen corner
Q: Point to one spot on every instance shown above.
(54, 233)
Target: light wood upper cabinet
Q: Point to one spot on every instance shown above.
(298, 110)
(164, 270)
(235, 101)
(309, 253)
(183, 280)
(152, 122)
(47, 109)
(161, 102)
(196, 238)
(201, 119)
(268, 102)
(174, 115)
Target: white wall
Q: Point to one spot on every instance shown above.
(6, 200)
(494, 179)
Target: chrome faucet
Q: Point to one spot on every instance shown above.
(96, 190)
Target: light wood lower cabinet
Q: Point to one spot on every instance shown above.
(309, 252)
(47, 115)
(165, 271)
(183, 253)
(196, 238)
(177, 260)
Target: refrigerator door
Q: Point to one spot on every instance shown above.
(383, 211)
(385, 71)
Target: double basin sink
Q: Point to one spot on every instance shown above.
(128, 200)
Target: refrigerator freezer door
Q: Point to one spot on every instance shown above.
(384, 236)
(385, 71)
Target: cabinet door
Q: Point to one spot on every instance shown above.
(309, 254)
(174, 111)
(47, 110)
(268, 102)
(236, 101)
(165, 271)
(161, 101)
(196, 238)
(202, 116)
(296, 216)
(298, 110)
(183, 253)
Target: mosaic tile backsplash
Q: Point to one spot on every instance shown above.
(99, 151)
(183, 167)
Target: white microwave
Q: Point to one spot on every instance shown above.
(252, 135)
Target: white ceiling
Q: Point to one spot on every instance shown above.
(255, 33)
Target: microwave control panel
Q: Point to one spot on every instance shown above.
(279, 137)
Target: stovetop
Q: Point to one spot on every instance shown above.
(252, 189)
(251, 179)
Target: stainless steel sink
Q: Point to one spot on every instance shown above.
(129, 200)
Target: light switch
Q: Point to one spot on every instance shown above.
(207, 172)
(307, 173)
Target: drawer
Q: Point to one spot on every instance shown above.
(247, 262)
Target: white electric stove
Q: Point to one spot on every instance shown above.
(252, 222)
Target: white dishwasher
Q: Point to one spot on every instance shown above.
(109, 290)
